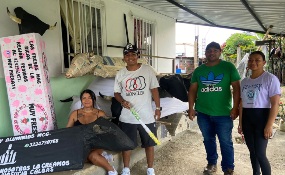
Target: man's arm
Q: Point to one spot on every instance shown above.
(236, 99)
(240, 118)
(156, 99)
(123, 102)
(192, 95)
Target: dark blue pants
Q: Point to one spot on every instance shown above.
(221, 126)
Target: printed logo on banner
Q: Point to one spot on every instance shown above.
(8, 157)
(27, 119)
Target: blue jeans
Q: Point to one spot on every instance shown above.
(221, 126)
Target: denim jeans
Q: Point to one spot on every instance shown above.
(221, 126)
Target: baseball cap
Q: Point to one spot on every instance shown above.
(213, 45)
(130, 48)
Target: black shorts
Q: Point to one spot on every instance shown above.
(131, 131)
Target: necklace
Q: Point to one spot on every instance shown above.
(88, 111)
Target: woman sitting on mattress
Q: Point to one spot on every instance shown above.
(88, 114)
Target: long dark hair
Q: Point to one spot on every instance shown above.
(91, 93)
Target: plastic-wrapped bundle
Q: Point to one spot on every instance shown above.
(103, 134)
(242, 66)
(82, 64)
(174, 85)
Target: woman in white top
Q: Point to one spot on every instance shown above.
(260, 95)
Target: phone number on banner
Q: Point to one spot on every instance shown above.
(41, 143)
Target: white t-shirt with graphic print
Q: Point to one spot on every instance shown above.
(135, 87)
(256, 93)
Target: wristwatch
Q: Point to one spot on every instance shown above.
(158, 108)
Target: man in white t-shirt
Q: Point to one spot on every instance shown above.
(135, 86)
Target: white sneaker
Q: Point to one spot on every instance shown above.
(150, 171)
(112, 172)
(126, 171)
(108, 157)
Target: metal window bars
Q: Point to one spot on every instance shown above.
(144, 37)
(83, 21)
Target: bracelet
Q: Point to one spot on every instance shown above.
(158, 108)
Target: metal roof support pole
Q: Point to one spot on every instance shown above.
(191, 12)
(251, 11)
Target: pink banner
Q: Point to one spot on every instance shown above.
(28, 83)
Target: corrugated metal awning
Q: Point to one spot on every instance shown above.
(248, 15)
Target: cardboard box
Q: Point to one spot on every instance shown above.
(28, 83)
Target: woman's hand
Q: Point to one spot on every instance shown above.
(268, 132)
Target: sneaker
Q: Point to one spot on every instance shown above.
(150, 171)
(229, 172)
(108, 157)
(113, 172)
(210, 169)
(126, 171)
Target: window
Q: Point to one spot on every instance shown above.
(144, 38)
(81, 28)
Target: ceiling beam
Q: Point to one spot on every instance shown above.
(226, 27)
(190, 11)
(252, 12)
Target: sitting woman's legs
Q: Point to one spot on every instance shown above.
(97, 159)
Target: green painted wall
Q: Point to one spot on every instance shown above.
(62, 88)
(5, 119)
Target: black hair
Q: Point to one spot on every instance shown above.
(213, 45)
(91, 93)
(258, 53)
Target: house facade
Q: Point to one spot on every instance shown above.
(112, 33)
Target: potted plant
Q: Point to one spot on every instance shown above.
(281, 114)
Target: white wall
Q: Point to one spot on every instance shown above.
(46, 10)
(49, 12)
(116, 35)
